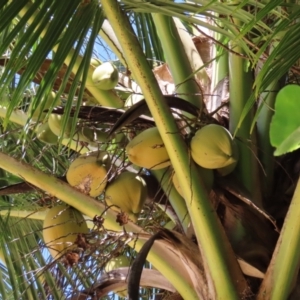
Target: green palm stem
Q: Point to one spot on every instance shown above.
(177, 60)
(91, 207)
(285, 263)
(180, 67)
(240, 85)
(220, 63)
(219, 68)
(106, 98)
(164, 178)
(193, 56)
(266, 150)
(111, 40)
(220, 263)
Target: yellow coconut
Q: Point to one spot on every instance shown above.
(228, 169)
(45, 103)
(121, 261)
(55, 123)
(212, 147)
(207, 176)
(127, 192)
(61, 227)
(45, 134)
(133, 99)
(147, 150)
(95, 62)
(106, 76)
(88, 172)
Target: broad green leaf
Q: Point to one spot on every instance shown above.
(291, 143)
(285, 124)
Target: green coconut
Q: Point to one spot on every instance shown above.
(127, 193)
(121, 261)
(106, 76)
(212, 147)
(147, 150)
(95, 62)
(61, 227)
(88, 172)
(92, 136)
(45, 134)
(55, 123)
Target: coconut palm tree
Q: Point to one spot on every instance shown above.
(179, 66)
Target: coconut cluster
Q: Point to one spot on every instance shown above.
(88, 173)
(105, 76)
(212, 148)
(127, 192)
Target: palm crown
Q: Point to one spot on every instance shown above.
(190, 66)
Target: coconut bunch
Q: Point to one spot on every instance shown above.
(89, 173)
(212, 148)
(96, 124)
(215, 152)
(124, 192)
(105, 77)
